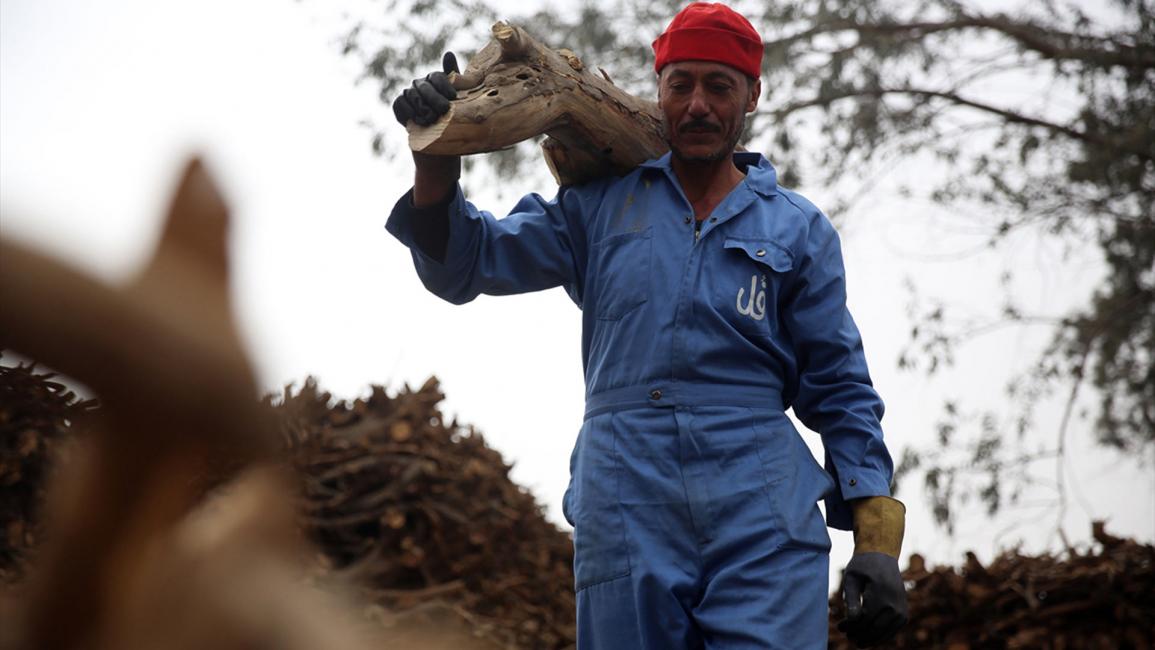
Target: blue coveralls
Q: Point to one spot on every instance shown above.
(693, 498)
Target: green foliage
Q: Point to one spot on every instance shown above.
(1040, 115)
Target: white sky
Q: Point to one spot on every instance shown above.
(101, 102)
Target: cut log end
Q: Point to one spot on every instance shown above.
(421, 137)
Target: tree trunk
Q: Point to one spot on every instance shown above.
(515, 88)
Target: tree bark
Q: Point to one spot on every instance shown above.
(516, 88)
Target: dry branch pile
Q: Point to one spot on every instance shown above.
(1097, 600)
(416, 509)
(35, 415)
(419, 510)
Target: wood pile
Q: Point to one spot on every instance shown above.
(36, 413)
(417, 512)
(1101, 599)
(420, 512)
(416, 509)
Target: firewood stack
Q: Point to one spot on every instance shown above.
(416, 509)
(420, 511)
(36, 413)
(1102, 599)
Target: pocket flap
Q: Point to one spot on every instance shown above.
(764, 252)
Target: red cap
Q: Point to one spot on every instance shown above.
(708, 31)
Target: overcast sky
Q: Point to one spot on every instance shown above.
(101, 102)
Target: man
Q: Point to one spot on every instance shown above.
(712, 300)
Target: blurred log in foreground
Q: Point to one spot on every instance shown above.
(134, 556)
(1101, 599)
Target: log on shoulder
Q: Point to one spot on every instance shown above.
(516, 88)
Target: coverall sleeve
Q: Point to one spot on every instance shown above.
(835, 395)
(539, 245)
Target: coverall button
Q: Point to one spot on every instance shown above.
(713, 219)
(655, 394)
(689, 219)
(761, 252)
(853, 482)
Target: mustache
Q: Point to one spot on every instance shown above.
(701, 125)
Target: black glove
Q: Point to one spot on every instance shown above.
(875, 599)
(428, 99)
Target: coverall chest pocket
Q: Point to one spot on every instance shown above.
(750, 281)
(621, 277)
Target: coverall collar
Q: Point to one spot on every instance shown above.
(760, 174)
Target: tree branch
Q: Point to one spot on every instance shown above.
(1022, 460)
(1050, 43)
(1060, 460)
(958, 100)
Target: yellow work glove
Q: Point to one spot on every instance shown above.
(879, 523)
(872, 586)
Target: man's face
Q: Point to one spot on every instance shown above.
(704, 106)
